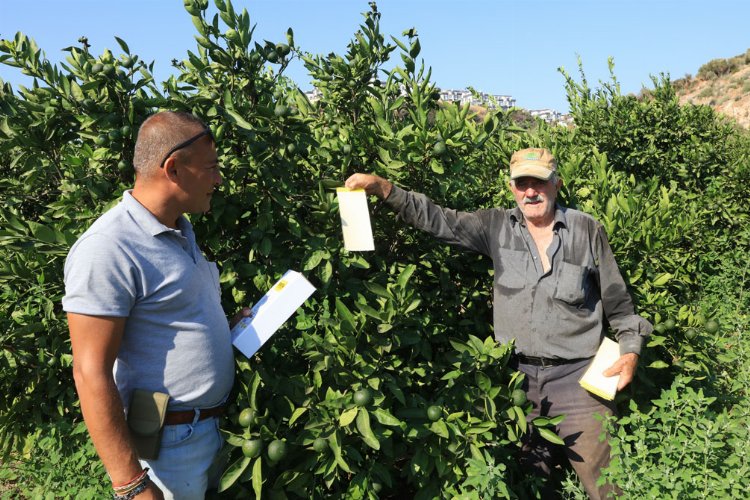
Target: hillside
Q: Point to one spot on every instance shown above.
(723, 84)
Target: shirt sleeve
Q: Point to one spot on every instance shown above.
(630, 329)
(467, 230)
(99, 279)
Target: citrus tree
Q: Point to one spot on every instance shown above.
(387, 382)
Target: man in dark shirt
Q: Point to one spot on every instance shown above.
(555, 282)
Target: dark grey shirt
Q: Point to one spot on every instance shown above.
(554, 314)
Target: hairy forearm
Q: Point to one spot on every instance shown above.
(105, 419)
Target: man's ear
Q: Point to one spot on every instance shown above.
(170, 169)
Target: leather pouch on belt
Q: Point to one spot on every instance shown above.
(145, 421)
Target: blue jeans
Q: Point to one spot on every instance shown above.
(554, 390)
(183, 469)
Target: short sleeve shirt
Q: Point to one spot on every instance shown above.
(176, 339)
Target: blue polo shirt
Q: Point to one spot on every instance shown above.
(176, 340)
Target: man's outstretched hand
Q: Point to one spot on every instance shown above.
(372, 184)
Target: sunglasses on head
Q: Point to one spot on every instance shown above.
(184, 144)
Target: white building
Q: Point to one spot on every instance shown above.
(464, 96)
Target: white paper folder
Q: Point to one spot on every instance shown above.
(355, 220)
(276, 306)
(593, 380)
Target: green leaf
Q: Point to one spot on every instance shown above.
(550, 436)
(385, 417)
(348, 416)
(658, 365)
(363, 426)
(238, 120)
(378, 289)
(233, 473)
(333, 443)
(440, 429)
(370, 312)
(43, 233)
(297, 414)
(124, 45)
(662, 279)
(258, 477)
(344, 313)
(314, 259)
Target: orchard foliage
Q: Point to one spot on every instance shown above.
(387, 382)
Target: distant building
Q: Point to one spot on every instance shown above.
(313, 95)
(464, 96)
(551, 116)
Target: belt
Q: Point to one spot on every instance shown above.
(188, 416)
(537, 361)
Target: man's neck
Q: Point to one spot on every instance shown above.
(157, 204)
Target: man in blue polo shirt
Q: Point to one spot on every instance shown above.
(144, 312)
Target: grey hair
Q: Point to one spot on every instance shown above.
(158, 134)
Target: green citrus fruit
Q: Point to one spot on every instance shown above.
(97, 68)
(125, 130)
(691, 333)
(434, 413)
(280, 110)
(251, 448)
(114, 134)
(711, 326)
(122, 165)
(233, 36)
(276, 450)
(660, 327)
(669, 324)
(320, 445)
(272, 56)
(439, 148)
(101, 140)
(108, 69)
(282, 49)
(518, 396)
(247, 417)
(376, 487)
(291, 148)
(638, 189)
(346, 148)
(362, 397)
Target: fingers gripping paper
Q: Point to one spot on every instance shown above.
(355, 219)
(276, 306)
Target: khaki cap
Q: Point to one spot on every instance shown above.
(532, 162)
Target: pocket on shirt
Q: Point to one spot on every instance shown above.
(512, 268)
(571, 283)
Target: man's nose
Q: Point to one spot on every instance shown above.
(218, 179)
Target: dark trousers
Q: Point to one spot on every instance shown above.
(554, 390)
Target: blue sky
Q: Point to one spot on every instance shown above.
(500, 47)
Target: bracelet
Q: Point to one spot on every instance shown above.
(133, 487)
(137, 490)
(134, 480)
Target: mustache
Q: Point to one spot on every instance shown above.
(533, 199)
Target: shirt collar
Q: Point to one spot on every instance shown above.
(146, 219)
(516, 216)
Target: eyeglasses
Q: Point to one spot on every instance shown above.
(185, 144)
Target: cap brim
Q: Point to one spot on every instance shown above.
(535, 171)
